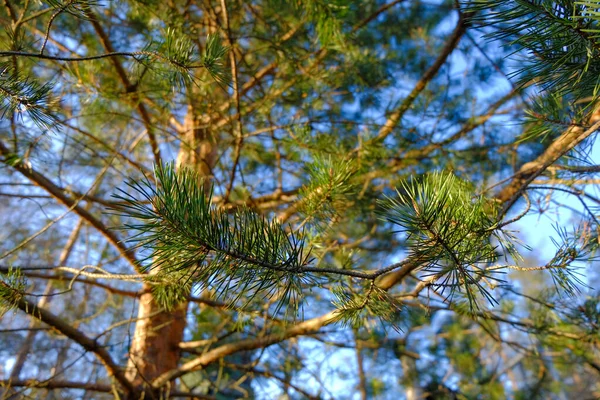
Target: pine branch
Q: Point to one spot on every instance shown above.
(562, 37)
(20, 95)
(448, 231)
(353, 309)
(106, 43)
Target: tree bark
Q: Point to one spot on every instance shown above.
(155, 343)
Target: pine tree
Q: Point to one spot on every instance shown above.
(308, 199)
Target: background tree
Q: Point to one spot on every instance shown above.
(315, 199)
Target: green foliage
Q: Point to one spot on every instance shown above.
(175, 59)
(23, 96)
(176, 55)
(563, 42)
(12, 287)
(449, 231)
(354, 309)
(170, 287)
(550, 114)
(327, 17)
(320, 84)
(76, 8)
(13, 159)
(329, 190)
(213, 59)
(190, 240)
(563, 56)
(572, 247)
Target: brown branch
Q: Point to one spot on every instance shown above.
(303, 328)
(104, 39)
(78, 337)
(268, 374)
(579, 169)
(362, 379)
(121, 292)
(531, 170)
(79, 279)
(319, 57)
(239, 140)
(57, 384)
(11, 11)
(469, 126)
(395, 117)
(376, 14)
(61, 197)
(106, 146)
(393, 278)
(27, 343)
(92, 387)
(257, 78)
(112, 54)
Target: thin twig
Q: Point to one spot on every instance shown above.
(239, 140)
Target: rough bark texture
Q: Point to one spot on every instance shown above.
(155, 344)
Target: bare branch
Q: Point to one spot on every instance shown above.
(396, 116)
(303, 328)
(59, 195)
(79, 337)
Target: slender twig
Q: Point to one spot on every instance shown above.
(580, 169)
(239, 140)
(518, 217)
(374, 15)
(55, 220)
(303, 328)
(57, 384)
(52, 18)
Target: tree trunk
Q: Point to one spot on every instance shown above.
(155, 343)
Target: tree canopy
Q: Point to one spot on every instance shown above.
(306, 199)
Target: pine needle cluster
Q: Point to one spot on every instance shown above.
(190, 241)
(450, 231)
(12, 287)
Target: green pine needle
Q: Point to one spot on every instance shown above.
(571, 248)
(560, 37)
(238, 256)
(25, 97)
(329, 190)
(12, 287)
(354, 309)
(213, 59)
(449, 231)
